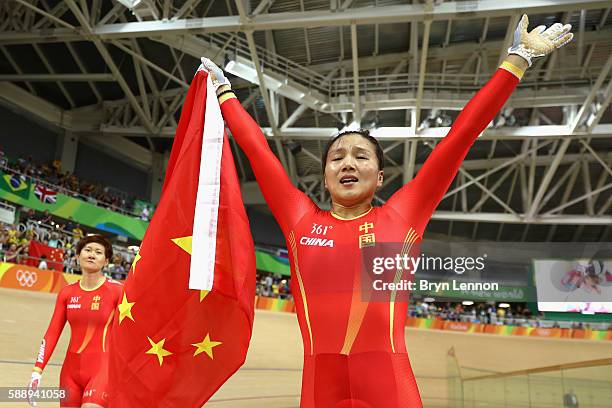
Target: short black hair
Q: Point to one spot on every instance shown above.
(98, 239)
(366, 135)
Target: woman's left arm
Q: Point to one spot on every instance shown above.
(418, 199)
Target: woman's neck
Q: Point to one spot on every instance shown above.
(350, 212)
(91, 280)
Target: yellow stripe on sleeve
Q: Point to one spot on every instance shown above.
(225, 97)
(513, 69)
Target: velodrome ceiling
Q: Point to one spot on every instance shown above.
(115, 73)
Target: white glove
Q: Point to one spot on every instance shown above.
(33, 385)
(540, 41)
(216, 74)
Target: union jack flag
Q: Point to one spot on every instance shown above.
(44, 194)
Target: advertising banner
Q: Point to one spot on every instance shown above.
(270, 263)
(33, 279)
(274, 304)
(15, 189)
(579, 285)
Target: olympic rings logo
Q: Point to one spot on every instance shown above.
(26, 278)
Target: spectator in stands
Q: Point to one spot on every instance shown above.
(66, 262)
(43, 263)
(474, 319)
(482, 314)
(27, 237)
(54, 240)
(3, 237)
(74, 265)
(24, 256)
(46, 218)
(69, 225)
(22, 239)
(52, 177)
(78, 232)
(268, 285)
(431, 309)
(275, 290)
(12, 254)
(21, 165)
(13, 235)
(28, 214)
(116, 268)
(424, 309)
(501, 313)
(126, 267)
(70, 244)
(57, 166)
(283, 289)
(459, 308)
(491, 314)
(144, 215)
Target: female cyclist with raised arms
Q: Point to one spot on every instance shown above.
(354, 350)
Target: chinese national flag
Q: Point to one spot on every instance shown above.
(184, 324)
(55, 256)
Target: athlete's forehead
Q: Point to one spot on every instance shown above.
(352, 141)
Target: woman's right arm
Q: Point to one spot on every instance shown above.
(53, 333)
(288, 204)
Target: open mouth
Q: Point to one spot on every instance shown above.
(348, 180)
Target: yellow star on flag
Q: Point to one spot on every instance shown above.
(136, 259)
(184, 243)
(158, 350)
(125, 309)
(206, 346)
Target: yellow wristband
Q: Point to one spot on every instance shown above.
(38, 370)
(513, 69)
(226, 96)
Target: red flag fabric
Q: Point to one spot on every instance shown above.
(54, 256)
(171, 346)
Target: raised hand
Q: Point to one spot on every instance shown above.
(541, 41)
(216, 74)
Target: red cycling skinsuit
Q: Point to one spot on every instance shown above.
(354, 350)
(85, 368)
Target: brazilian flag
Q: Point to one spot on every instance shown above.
(15, 184)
